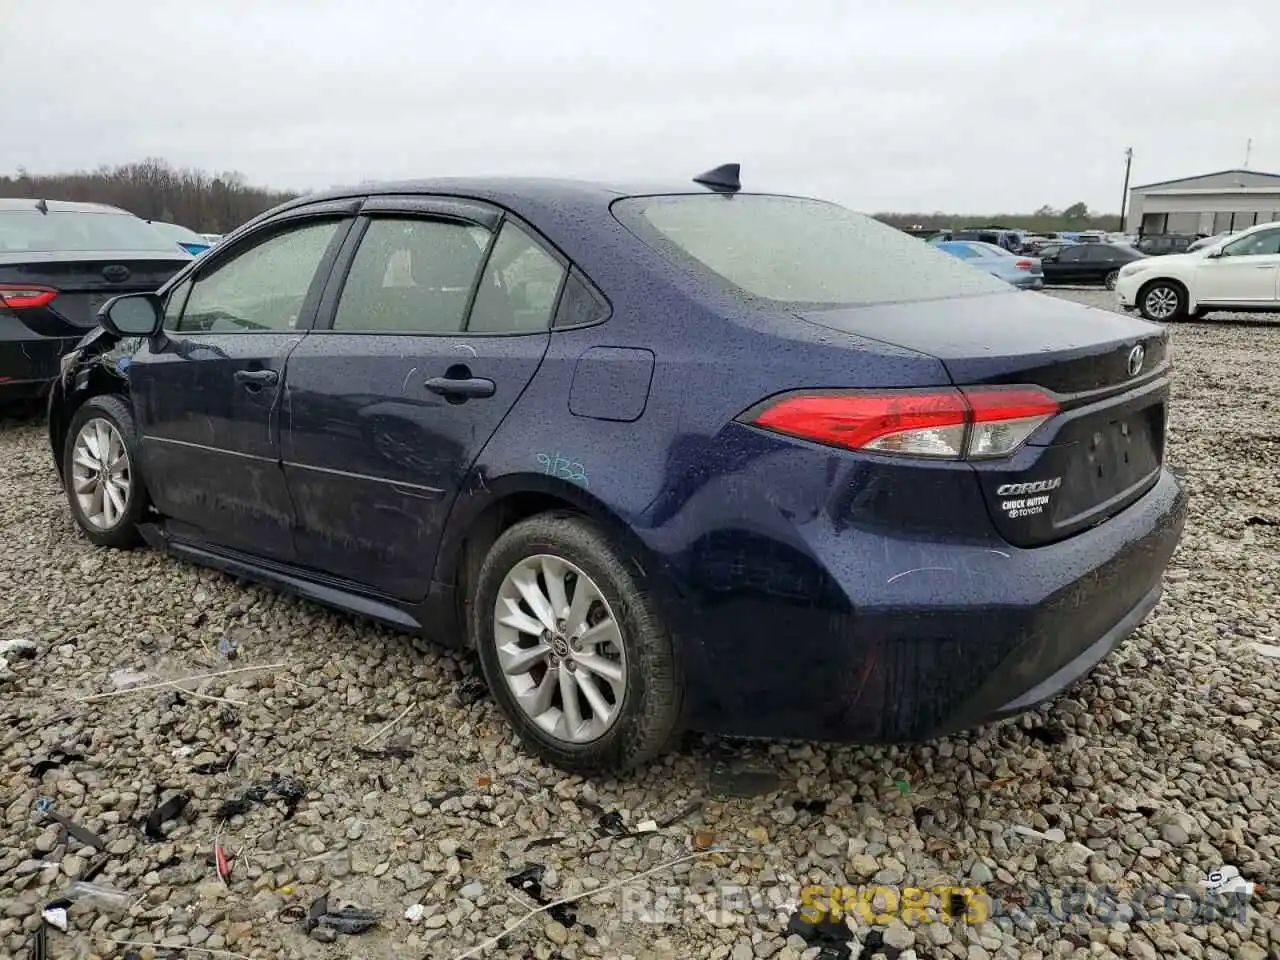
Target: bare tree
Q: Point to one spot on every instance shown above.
(155, 190)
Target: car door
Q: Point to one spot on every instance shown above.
(1246, 271)
(440, 322)
(1065, 266)
(1098, 261)
(206, 395)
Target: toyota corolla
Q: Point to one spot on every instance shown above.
(663, 458)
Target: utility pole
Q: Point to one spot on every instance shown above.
(1124, 198)
(1248, 150)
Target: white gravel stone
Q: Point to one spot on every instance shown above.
(1167, 768)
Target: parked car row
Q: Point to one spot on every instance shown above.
(592, 435)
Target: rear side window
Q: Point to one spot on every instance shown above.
(798, 252)
(579, 303)
(518, 291)
(68, 232)
(412, 276)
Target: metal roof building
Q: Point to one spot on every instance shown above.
(1208, 204)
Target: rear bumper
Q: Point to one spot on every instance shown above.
(1029, 282)
(933, 638)
(28, 361)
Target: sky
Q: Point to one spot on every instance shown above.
(990, 106)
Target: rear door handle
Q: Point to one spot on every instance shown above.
(465, 387)
(256, 378)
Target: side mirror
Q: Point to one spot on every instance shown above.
(1213, 254)
(132, 315)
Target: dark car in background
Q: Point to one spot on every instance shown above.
(693, 457)
(1010, 240)
(59, 262)
(1158, 245)
(1086, 263)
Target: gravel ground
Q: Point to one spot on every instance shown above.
(1157, 769)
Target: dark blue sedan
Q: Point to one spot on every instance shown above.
(684, 457)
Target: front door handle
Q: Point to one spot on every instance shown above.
(465, 388)
(256, 378)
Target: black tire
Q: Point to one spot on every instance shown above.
(1110, 279)
(1165, 291)
(650, 710)
(123, 533)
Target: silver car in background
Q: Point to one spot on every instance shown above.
(1026, 273)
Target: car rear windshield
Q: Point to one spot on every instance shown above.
(70, 232)
(798, 252)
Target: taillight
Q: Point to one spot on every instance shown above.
(950, 424)
(1024, 264)
(21, 296)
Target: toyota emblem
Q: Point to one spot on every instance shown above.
(115, 273)
(1136, 357)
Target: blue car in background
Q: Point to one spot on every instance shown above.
(1025, 273)
(190, 241)
(662, 458)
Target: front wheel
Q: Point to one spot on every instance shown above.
(1111, 278)
(100, 472)
(1162, 302)
(572, 647)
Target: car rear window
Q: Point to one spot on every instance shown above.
(70, 232)
(798, 252)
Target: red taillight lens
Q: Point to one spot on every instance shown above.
(1024, 264)
(18, 296)
(950, 424)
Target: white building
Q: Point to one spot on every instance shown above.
(1208, 204)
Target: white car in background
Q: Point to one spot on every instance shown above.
(1239, 273)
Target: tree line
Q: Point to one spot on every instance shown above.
(215, 203)
(1075, 217)
(155, 190)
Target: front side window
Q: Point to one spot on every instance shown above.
(797, 252)
(517, 293)
(412, 276)
(1260, 244)
(263, 288)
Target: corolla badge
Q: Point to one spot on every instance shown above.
(1137, 356)
(1035, 486)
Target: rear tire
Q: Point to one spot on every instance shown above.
(559, 612)
(1163, 301)
(1111, 278)
(100, 472)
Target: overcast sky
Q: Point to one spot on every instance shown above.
(966, 107)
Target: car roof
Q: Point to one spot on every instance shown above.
(11, 204)
(515, 192)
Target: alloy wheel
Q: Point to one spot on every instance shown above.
(1111, 279)
(100, 473)
(560, 648)
(1161, 302)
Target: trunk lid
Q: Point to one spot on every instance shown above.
(1110, 374)
(85, 280)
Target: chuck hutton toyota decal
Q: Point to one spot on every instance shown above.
(1027, 506)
